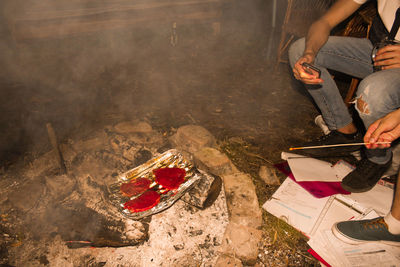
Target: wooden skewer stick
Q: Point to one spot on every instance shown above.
(336, 145)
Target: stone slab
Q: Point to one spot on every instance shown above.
(213, 161)
(242, 241)
(192, 138)
(268, 175)
(133, 127)
(228, 261)
(242, 200)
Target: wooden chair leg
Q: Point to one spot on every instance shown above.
(283, 44)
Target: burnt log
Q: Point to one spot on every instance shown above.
(80, 226)
(57, 151)
(205, 192)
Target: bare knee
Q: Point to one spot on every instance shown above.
(362, 106)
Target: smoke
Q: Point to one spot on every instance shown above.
(73, 62)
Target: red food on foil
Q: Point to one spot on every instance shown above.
(144, 202)
(135, 187)
(170, 178)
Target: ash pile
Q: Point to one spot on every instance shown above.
(59, 213)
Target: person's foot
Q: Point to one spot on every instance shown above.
(365, 176)
(333, 138)
(358, 232)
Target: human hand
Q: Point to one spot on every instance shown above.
(386, 129)
(301, 74)
(388, 57)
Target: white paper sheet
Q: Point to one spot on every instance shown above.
(367, 254)
(378, 198)
(296, 206)
(310, 169)
(303, 211)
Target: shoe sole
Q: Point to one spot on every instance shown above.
(352, 241)
(326, 152)
(356, 190)
(369, 187)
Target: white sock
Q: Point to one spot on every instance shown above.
(393, 224)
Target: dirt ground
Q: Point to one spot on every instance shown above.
(224, 83)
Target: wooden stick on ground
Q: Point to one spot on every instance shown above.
(54, 143)
(336, 145)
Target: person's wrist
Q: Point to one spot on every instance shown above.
(309, 55)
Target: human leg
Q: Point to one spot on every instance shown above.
(393, 218)
(344, 54)
(377, 95)
(348, 55)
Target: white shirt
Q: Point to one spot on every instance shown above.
(387, 11)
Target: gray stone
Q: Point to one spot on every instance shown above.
(152, 138)
(135, 231)
(187, 261)
(242, 200)
(98, 141)
(242, 241)
(130, 153)
(133, 127)
(214, 161)
(117, 143)
(192, 138)
(228, 261)
(268, 175)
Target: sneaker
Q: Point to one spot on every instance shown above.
(365, 176)
(358, 232)
(333, 138)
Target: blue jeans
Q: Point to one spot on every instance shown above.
(379, 91)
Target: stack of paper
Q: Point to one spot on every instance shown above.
(315, 216)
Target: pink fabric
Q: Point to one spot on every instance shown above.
(315, 188)
(318, 257)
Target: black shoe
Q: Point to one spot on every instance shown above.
(333, 138)
(365, 176)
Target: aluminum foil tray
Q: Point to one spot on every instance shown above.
(170, 158)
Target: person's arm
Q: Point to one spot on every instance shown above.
(318, 35)
(386, 129)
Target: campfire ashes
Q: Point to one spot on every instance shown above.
(50, 218)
